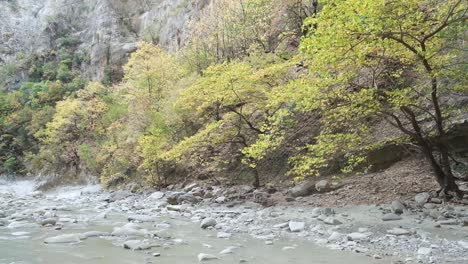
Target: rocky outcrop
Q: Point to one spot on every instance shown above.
(105, 31)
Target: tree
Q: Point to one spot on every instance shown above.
(231, 103)
(396, 60)
(75, 124)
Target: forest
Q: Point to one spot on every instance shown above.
(264, 90)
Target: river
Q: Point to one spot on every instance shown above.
(78, 210)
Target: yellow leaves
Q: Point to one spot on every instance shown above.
(150, 73)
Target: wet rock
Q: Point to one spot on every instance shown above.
(332, 221)
(228, 250)
(208, 222)
(305, 188)
(421, 199)
(142, 218)
(48, 221)
(22, 224)
(136, 245)
(21, 233)
(449, 222)
(327, 211)
(163, 234)
(128, 231)
(223, 235)
(296, 226)
(288, 248)
(398, 231)
(205, 257)
(65, 238)
(391, 217)
(95, 234)
(397, 207)
(323, 186)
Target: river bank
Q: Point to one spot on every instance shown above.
(89, 225)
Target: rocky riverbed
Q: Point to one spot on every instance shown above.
(209, 224)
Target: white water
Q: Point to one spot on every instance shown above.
(18, 188)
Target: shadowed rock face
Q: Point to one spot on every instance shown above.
(106, 30)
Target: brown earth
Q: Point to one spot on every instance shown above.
(401, 181)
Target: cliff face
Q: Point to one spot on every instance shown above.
(103, 31)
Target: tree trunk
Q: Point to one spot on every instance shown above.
(256, 183)
(442, 171)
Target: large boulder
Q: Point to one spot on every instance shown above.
(156, 196)
(261, 198)
(207, 222)
(323, 186)
(136, 245)
(398, 207)
(421, 199)
(295, 226)
(304, 188)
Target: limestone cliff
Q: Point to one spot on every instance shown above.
(104, 31)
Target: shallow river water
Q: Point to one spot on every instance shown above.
(80, 209)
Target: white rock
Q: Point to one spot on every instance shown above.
(398, 231)
(464, 244)
(332, 221)
(288, 248)
(335, 236)
(15, 225)
(391, 217)
(95, 234)
(223, 235)
(20, 233)
(207, 222)
(136, 245)
(282, 225)
(156, 196)
(358, 236)
(142, 218)
(421, 199)
(296, 226)
(424, 251)
(205, 257)
(65, 238)
(228, 250)
(125, 231)
(221, 199)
